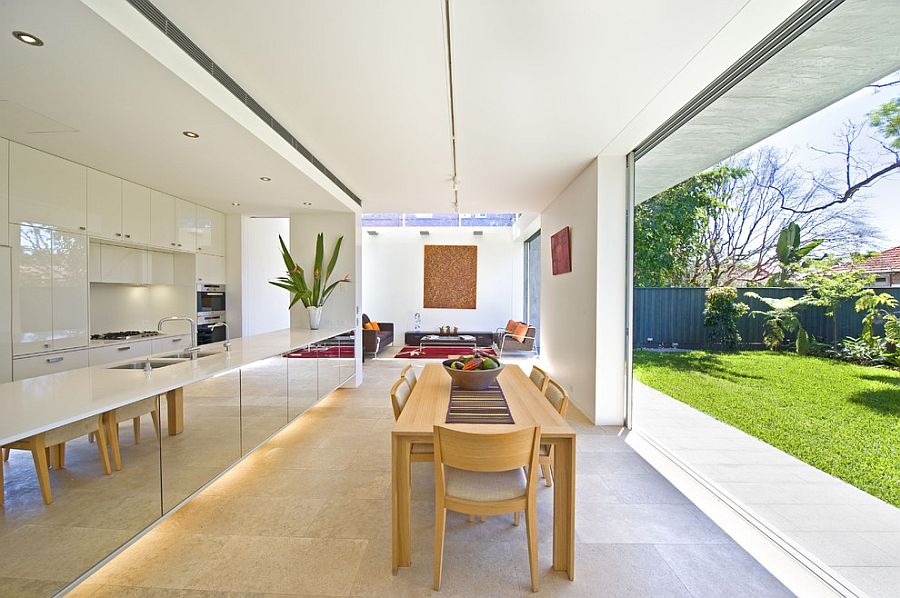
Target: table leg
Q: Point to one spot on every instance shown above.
(400, 495)
(175, 411)
(564, 506)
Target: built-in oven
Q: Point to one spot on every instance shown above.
(211, 299)
(205, 332)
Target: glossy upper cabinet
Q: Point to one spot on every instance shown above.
(162, 221)
(104, 205)
(210, 269)
(4, 191)
(5, 318)
(135, 213)
(70, 290)
(210, 231)
(49, 283)
(47, 190)
(32, 296)
(186, 225)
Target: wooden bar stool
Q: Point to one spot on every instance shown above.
(50, 446)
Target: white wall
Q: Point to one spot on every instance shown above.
(569, 301)
(124, 307)
(233, 274)
(393, 278)
(264, 307)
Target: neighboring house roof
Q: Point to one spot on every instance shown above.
(886, 261)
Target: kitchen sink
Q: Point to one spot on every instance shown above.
(139, 365)
(186, 355)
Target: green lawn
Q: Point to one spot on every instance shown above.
(843, 419)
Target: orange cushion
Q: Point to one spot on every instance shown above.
(520, 332)
(375, 326)
(368, 326)
(511, 325)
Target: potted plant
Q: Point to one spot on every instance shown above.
(313, 296)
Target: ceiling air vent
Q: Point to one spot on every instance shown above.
(170, 30)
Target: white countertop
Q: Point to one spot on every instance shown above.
(39, 404)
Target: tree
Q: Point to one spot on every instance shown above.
(781, 318)
(790, 253)
(828, 289)
(873, 305)
(668, 227)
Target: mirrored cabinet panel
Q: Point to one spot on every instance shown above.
(302, 380)
(264, 400)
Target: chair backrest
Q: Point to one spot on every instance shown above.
(486, 452)
(557, 396)
(409, 374)
(539, 377)
(400, 392)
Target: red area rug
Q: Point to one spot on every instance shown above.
(322, 352)
(413, 352)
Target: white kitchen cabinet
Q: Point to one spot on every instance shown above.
(70, 290)
(210, 269)
(162, 221)
(104, 205)
(171, 343)
(120, 265)
(135, 213)
(186, 225)
(210, 231)
(31, 281)
(162, 268)
(49, 363)
(119, 352)
(5, 317)
(4, 191)
(46, 190)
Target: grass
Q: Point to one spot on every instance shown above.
(841, 418)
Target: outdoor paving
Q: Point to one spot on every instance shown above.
(846, 529)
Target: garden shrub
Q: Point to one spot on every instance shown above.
(720, 314)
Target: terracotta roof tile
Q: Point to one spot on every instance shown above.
(886, 261)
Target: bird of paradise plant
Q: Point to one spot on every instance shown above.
(317, 293)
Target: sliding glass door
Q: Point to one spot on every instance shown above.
(532, 303)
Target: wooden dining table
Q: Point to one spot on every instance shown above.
(427, 407)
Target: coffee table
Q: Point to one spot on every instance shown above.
(439, 340)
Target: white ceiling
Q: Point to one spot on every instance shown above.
(540, 88)
(92, 96)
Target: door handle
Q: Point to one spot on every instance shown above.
(54, 359)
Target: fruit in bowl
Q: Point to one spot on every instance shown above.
(474, 372)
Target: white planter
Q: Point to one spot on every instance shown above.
(315, 317)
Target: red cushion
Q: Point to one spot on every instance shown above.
(520, 332)
(511, 325)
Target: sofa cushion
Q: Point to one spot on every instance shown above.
(520, 332)
(511, 325)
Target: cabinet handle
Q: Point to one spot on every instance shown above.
(200, 279)
(82, 228)
(173, 244)
(46, 345)
(124, 349)
(127, 236)
(118, 234)
(176, 340)
(54, 359)
(179, 244)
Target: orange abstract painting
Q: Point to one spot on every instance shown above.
(451, 276)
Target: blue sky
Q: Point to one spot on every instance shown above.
(881, 202)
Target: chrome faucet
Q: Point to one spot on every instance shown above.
(227, 343)
(193, 348)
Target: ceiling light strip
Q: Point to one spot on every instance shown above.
(793, 27)
(170, 30)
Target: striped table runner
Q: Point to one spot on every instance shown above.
(486, 406)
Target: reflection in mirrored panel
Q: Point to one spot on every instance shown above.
(90, 512)
(302, 381)
(347, 356)
(201, 434)
(264, 400)
(329, 364)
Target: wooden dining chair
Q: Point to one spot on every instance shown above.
(400, 391)
(49, 446)
(539, 377)
(559, 398)
(134, 411)
(409, 374)
(482, 474)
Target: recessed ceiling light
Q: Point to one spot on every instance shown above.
(235, 204)
(190, 134)
(307, 203)
(27, 38)
(264, 178)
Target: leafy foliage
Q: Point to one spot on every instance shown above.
(668, 227)
(317, 294)
(790, 253)
(720, 316)
(828, 289)
(781, 318)
(887, 120)
(873, 305)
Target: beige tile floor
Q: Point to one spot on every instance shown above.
(308, 514)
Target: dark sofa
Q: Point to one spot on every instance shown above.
(374, 342)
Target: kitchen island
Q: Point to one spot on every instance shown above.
(220, 408)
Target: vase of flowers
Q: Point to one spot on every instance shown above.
(314, 295)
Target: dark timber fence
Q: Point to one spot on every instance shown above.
(675, 315)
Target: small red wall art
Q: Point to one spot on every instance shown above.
(561, 252)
